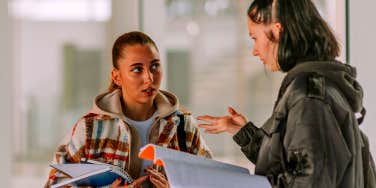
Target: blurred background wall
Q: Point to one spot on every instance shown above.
(55, 57)
(6, 99)
(362, 55)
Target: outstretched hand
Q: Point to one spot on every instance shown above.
(231, 123)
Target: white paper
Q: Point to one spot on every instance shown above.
(185, 170)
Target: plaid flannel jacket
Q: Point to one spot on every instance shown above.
(109, 139)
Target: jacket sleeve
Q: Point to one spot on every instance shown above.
(195, 143)
(249, 138)
(70, 150)
(315, 153)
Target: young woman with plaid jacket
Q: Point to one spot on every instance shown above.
(132, 113)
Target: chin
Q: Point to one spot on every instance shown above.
(147, 99)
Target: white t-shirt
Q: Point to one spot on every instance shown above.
(143, 129)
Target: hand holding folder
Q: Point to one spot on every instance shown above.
(91, 173)
(187, 170)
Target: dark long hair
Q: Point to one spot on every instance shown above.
(305, 36)
(127, 39)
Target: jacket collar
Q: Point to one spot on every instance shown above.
(316, 66)
(109, 104)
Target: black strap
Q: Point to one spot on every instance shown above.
(182, 134)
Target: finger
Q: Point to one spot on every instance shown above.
(157, 183)
(205, 126)
(155, 173)
(116, 183)
(214, 131)
(209, 128)
(162, 180)
(232, 111)
(207, 118)
(138, 181)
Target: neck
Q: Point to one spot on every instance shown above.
(137, 111)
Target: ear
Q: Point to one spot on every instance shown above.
(115, 75)
(277, 29)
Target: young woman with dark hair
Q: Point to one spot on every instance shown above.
(132, 113)
(312, 138)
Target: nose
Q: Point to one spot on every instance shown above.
(148, 77)
(255, 52)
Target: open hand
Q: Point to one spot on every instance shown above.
(231, 123)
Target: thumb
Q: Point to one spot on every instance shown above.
(232, 111)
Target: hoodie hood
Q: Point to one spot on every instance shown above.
(341, 75)
(109, 104)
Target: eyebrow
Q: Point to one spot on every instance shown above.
(135, 64)
(155, 61)
(140, 64)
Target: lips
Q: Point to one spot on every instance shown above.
(148, 91)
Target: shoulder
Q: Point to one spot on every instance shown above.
(182, 110)
(310, 85)
(318, 87)
(187, 120)
(313, 92)
(87, 122)
(183, 113)
(306, 90)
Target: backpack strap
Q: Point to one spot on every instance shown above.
(181, 133)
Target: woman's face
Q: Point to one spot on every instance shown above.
(263, 47)
(139, 73)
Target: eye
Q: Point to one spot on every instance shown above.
(154, 66)
(137, 69)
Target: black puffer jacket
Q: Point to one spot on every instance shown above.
(312, 138)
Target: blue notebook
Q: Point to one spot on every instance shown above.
(94, 174)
